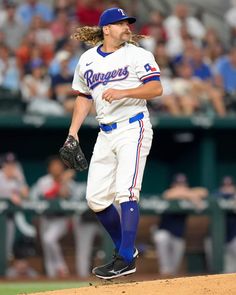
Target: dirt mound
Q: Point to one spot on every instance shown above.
(200, 285)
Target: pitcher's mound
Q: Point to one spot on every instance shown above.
(201, 285)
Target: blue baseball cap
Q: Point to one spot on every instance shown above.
(114, 15)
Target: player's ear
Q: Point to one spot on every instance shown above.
(105, 30)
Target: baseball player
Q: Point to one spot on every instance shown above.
(118, 77)
(56, 184)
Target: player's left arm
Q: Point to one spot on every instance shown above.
(146, 91)
(147, 71)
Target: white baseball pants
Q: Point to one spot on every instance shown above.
(51, 231)
(170, 250)
(117, 165)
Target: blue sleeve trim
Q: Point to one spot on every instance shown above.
(150, 75)
(89, 96)
(155, 78)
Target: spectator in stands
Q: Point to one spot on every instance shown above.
(213, 47)
(13, 188)
(88, 12)
(29, 49)
(30, 8)
(9, 72)
(36, 91)
(202, 71)
(3, 14)
(23, 52)
(169, 237)
(225, 71)
(230, 18)
(43, 38)
(168, 101)
(226, 191)
(58, 184)
(188, 48)
(12, 27)
(200, 68)
(66, 5)
(37, 84)
(194, 94)
(155, 30)
(61, 83)
(43, 35)
(35, 55)
(75, 50)
(179, 25)
(60, 26)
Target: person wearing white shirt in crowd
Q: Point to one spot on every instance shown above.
(181, 23)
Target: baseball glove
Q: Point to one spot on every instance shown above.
(72, 155)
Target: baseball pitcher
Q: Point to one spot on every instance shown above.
(119, 77)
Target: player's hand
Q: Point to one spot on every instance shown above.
(16, 199)
(68, 175)
(113, 94)
(72, 154)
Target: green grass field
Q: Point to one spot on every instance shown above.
(14, 288)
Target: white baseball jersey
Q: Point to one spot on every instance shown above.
(128, 67)
(46, 186)
(119, 156)
(8, 186)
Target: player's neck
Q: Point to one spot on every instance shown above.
(111, 47)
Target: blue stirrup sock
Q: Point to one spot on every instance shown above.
(110, 219)
(129, 226)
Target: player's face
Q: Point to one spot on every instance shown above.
(119, 32)
(56, 168)
(10, 170)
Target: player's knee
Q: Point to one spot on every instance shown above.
(48, 240)
(95, 206)
(161, 236)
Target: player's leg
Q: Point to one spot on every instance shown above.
(59, 229)
(56, 228)
(230, 256)
(207, 243)
(101, 187)
(162, 240)
(132, 146)
(47, 254)
(85, 233)
(10, 237)
(132, 151)
(178, 248)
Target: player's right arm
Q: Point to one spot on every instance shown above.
(81, 110)
(83, 102)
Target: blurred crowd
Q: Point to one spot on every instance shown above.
(41, 235)
(38, 57)
(22, 233)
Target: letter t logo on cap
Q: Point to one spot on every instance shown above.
(121, 11)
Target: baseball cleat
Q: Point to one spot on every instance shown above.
(115, 254)
(117, 268)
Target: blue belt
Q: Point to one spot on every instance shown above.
(112, 126)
